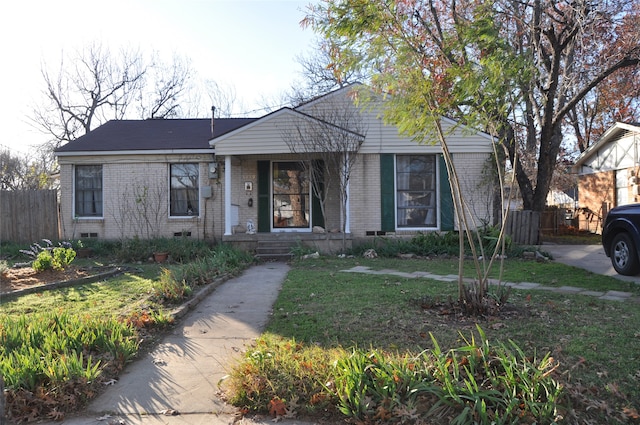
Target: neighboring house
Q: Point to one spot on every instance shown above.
(608, 174)
(220, 179)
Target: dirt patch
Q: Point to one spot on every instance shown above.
(15, 279)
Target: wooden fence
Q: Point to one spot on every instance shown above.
(29, 215)
(524, 227)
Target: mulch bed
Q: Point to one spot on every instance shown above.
(25, 278)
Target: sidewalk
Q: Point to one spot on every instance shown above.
(182, 372)
(588, 257)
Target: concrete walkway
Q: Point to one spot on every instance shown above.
(177, 382)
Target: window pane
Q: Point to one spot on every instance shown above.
(184, 190)
(88, 191)
(416, 191)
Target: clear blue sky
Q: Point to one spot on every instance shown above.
(249, 45)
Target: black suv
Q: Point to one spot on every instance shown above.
(621, 238)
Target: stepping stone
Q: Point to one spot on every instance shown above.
(592, 293)
(570, 289)
(526, 285)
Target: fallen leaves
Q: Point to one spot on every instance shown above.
(279, 409)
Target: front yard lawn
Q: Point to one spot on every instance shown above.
(324, 316)
(595, 343)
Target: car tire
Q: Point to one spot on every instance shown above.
(624, 255)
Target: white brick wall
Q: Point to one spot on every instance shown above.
(121, 175)
(123, 178)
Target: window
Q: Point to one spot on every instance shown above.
(184, 199)
(416, 191)
(88, 190)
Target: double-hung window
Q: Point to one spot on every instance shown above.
(183, 193)
(416, 204)
(88, 190)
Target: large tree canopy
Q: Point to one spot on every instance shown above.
(516, 67)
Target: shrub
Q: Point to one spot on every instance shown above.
(43, 261)
(57, 258)
(436, 243)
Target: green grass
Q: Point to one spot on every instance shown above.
(111, 297)
(515, 270)
(596, 342)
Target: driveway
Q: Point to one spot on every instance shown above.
(588, 257)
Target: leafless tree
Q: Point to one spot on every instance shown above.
(90, 87)
(327, 140)
(225, 99)
(319, 76)
(140, 210)
(163, 86)
(94, 85)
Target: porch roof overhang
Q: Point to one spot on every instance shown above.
(270, 134)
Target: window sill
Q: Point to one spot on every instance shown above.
(89, 219)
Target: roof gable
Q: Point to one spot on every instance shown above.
(616, 132)
(267, 134)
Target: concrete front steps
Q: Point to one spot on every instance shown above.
(275, 250)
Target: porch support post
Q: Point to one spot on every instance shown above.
(347, 229)
(347, 207)
(227, 195)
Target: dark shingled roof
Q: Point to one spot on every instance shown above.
(153, 134)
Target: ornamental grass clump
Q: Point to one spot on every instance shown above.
(495, 384)
(476, 383)
(278, 370)
(51, 360)
(169, 288)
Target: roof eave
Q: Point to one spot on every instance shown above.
(604, 139)
(137, 152)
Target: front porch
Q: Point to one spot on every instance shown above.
(326, 243)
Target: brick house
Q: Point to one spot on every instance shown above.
(608, 174)
(244, 181)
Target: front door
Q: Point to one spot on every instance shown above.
(291, 196)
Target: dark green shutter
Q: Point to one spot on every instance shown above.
(264, 205)
(317, 219)
(387, 193)
(446, 199)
